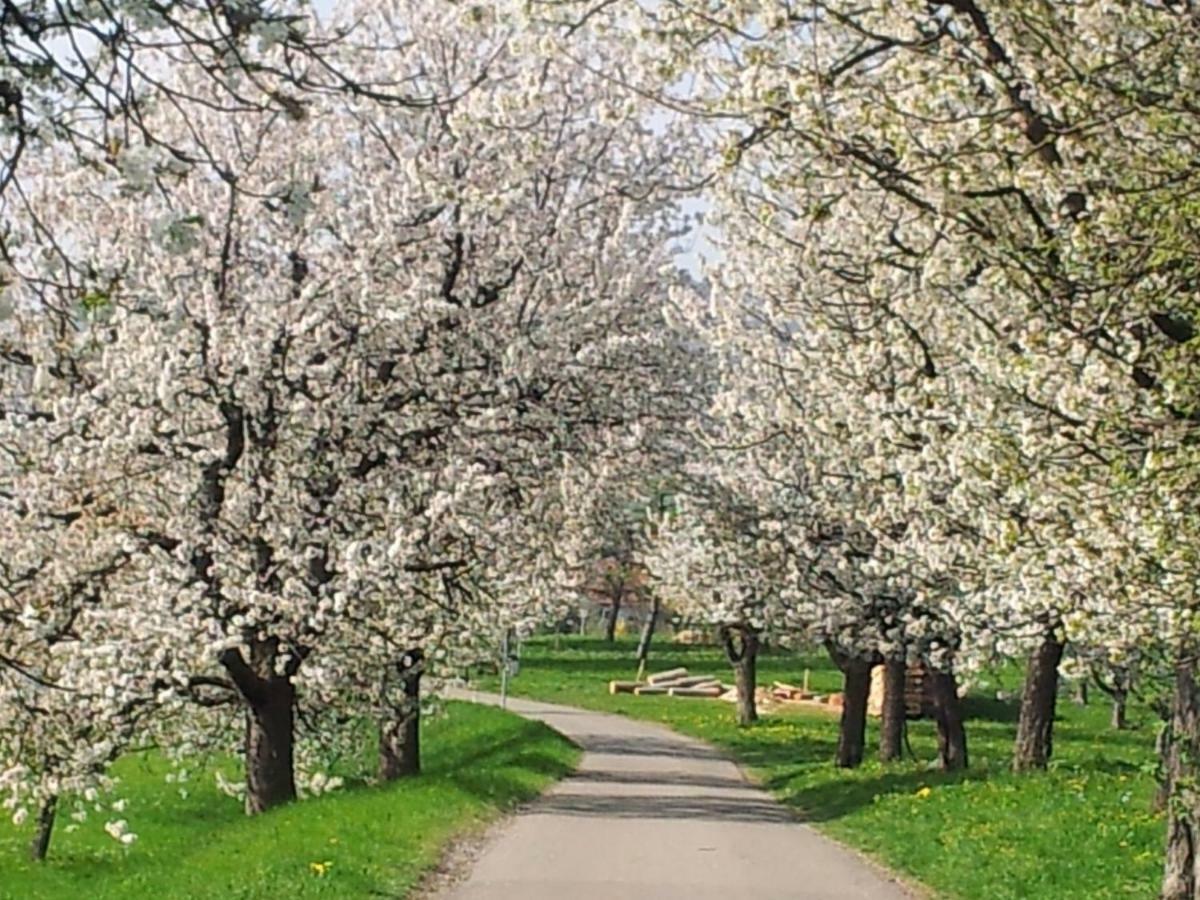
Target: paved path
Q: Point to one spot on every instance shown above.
(651, 815)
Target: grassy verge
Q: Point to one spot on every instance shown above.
(359, 842)
(1083, 829)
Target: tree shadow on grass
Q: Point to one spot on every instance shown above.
(989, 709)
(1096, 764)
(807, 781)
(512, 743)
(503, 780)
(835, 797)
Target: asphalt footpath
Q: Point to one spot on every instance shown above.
(653, 815)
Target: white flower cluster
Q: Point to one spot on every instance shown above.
(267, 428)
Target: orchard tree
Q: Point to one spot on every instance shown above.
(718, 562)
(992, 203)
(319, 392)
(94, 79)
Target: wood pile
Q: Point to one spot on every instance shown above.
(680, 683)
(762, 696)
(789, 693)
(918, 697)
(672, 683)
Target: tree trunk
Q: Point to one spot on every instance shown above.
(852, 733)
(1035, 728)
(895, 713)
(947, 713)
(745, 675)
(743, 657)
(1118, 692)
(856, 688)
(270, 700)
(643, 649)
(45, 828)
(400, 738)
(1118, 712)
(1162, 792)
(1181, 769)
(1081, 693)
(856, 676)
(610, 627)
(270, 747)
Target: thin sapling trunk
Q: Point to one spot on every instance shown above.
(643, 649)
(47, 813)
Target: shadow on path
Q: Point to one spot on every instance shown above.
(641, 745)
(660, 806)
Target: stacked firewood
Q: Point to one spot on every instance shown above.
(789, 693)
(672, 683)
(918, 693)
(680, 683)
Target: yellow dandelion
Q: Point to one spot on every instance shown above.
(924, 792)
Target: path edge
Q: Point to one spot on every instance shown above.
(479, 841)
(461, 852)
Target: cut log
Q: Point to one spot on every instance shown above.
(689, 681)
(647, 689)
(623, 687)
(693, 680)
(669, 675)
(784, 686)
(674, 682)
(695, 691)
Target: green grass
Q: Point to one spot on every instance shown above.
(364, 841)
(1083, 829)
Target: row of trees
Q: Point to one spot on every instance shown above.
(296, 351)
(951, 319)
(331, 349)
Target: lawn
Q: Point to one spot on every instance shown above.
(1083, 829)
(358, 842)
